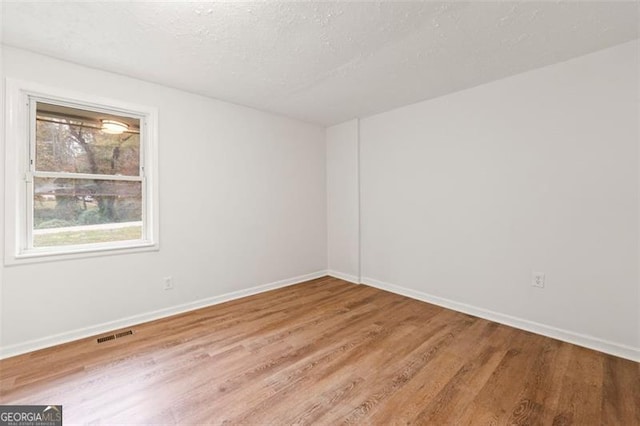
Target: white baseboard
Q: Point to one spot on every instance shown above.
(346, 277)
(586, 341)
(45, 342)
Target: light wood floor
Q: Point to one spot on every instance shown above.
(327, 352)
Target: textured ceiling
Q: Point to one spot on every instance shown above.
(323, 62)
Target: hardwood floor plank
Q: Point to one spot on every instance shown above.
(620, 391)
(326, 352)
(463, 386)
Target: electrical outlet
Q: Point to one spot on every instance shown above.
(168, 283)
(537, 279)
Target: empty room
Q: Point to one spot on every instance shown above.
(331, 212)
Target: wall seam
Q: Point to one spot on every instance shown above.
(359, 185)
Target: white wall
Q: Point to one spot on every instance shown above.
(2, 172)
(343, 201)
(463, 196)
(242, 204)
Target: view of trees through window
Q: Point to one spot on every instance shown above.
(87, 185)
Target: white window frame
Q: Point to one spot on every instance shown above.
(19, 182)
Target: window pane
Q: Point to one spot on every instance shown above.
(85, 211)
(72, 140)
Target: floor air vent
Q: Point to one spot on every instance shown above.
(106, 338)
(124, 333)
(114, 336)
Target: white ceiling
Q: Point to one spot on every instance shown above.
(323, 62)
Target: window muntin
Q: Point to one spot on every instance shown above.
(86, 186)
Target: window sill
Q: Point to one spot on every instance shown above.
(41, 256)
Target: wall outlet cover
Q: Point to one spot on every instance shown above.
(537, 279)
(167, 283)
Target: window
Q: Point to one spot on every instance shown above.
(83, 178)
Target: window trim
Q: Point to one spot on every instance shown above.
(17, 154)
